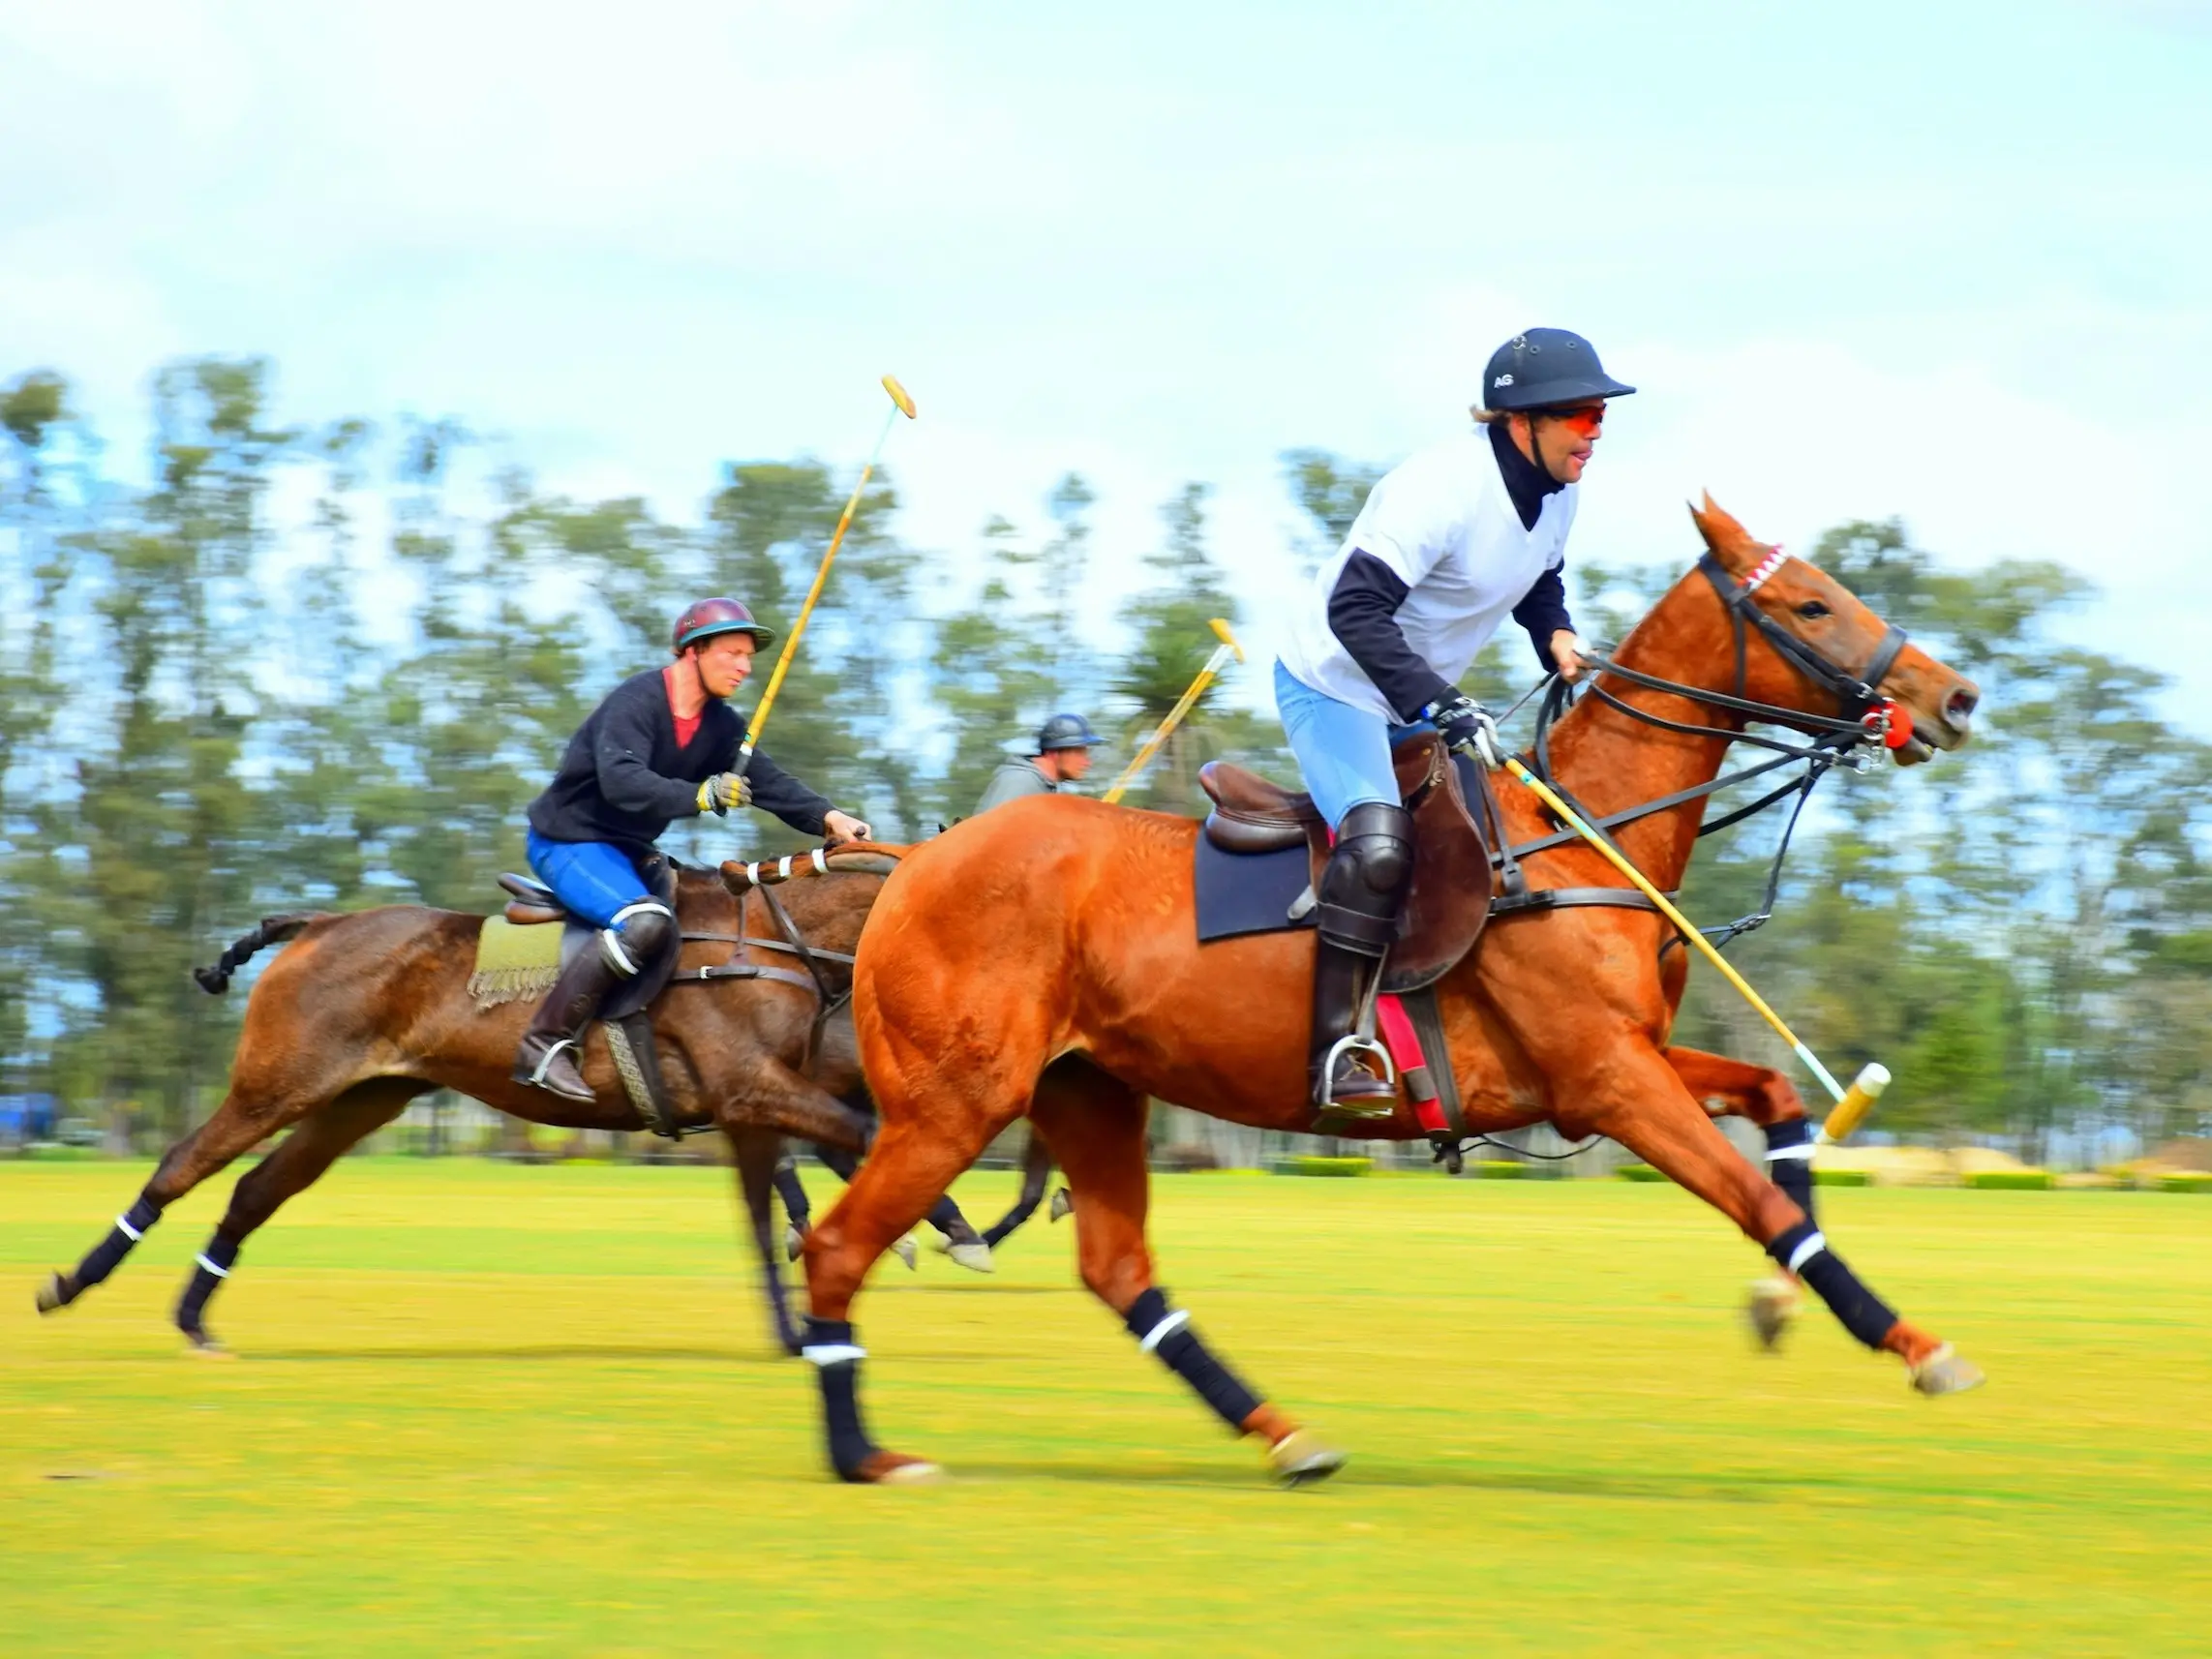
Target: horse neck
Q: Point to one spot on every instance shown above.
(828, 910)
(1610, 761)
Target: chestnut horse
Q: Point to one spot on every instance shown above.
(1042, 958)
(361, 1013)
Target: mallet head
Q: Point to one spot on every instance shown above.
(900, 396)
(1219, 626)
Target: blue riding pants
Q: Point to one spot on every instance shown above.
(1342, 752)
(593, 878)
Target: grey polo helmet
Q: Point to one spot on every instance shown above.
(1066, 732)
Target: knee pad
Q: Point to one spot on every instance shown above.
(1374, 851)
(640, 933)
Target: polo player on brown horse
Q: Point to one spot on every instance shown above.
(1042, 959)
(362, 1013)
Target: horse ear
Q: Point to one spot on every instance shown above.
(1728, 541)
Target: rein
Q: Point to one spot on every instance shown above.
(1869, 718)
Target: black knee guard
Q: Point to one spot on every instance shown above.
(1363, 883)
(641, 931)
(1805, 1251)
(1167, 1332)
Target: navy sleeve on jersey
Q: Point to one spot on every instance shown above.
(1363, 614)
(1543, 612)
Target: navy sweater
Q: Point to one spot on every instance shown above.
(624, 779)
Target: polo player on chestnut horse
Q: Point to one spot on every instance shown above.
(1043, 959)
(361, 1013)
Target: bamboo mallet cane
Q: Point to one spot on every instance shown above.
(900, 405)
(1223, 652)
(1852, 1105)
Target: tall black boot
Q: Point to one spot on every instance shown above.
(553, 1044)
(1362, 890)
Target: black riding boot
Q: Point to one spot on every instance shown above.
(1370, 869)
(553, 1044)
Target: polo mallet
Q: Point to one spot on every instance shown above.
(1852, 1105)
(901, 404)
(1223, 652)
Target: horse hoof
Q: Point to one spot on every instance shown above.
(896, 1469)
(1063, 1203)
(794, 1242)
(973, 1254)
(1771, 1310)
(1945, 1373)
(905, 1252)
(53, 1294)
(1302, 1457)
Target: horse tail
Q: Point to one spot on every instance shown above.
(853, 858)
(270, 930)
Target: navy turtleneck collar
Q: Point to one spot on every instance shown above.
(1525, 481)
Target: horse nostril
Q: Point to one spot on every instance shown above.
(1959, 707)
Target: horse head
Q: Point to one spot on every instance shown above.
(1802, 642)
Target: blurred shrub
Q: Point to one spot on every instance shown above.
(2009, 1180)
(1842, 1178)
(1305, 1164)
(1638, 1172)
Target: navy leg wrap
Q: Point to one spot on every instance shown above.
(1165, 1332)
(1805, 1251)
(1007, 1223)
(211, 1269)
(793, 1192)
(107, 1255)
(836, 1361)
(1789, 1162)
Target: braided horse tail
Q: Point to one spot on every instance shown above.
(866, 858)
(270, 930)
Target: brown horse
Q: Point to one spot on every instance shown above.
(361, 1013)
(1041, 958)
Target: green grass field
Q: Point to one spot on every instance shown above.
(481, 1407)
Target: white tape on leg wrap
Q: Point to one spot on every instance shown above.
(1776, 1155)
(1166, 1328)
(124, 1226)
(219, 1272)
(1805, 1251)
(832, 1353)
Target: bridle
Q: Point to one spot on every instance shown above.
(1867, 718)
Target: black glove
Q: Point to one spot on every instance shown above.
(1463, 723)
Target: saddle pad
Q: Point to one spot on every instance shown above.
(514, 963)
(1248, 893)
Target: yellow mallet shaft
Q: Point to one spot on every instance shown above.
(902, 403)
(1223, 653)
(1868, 1085)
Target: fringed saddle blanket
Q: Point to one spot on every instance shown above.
(514, 964)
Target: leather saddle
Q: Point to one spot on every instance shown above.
(1452, 877)
(530, 903)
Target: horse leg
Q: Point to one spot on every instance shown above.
(1095, 1127)
(1641, 1102)
(1733, 1088)
(299, 1161)
(907, 1170)
(798, 1212)
(759, 1154)
(248, 1116)
(955, 1237)
(1036, 1175)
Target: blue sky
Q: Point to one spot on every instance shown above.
(1950, 262)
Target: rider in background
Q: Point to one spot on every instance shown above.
(659, 748)
(1449, 542)
(1062, 755)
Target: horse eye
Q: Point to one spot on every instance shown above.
(1812, 610)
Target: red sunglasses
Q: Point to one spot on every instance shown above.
(1583, 418)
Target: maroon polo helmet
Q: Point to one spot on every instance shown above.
(707, 617)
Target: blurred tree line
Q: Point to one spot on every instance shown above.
(329, 666)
